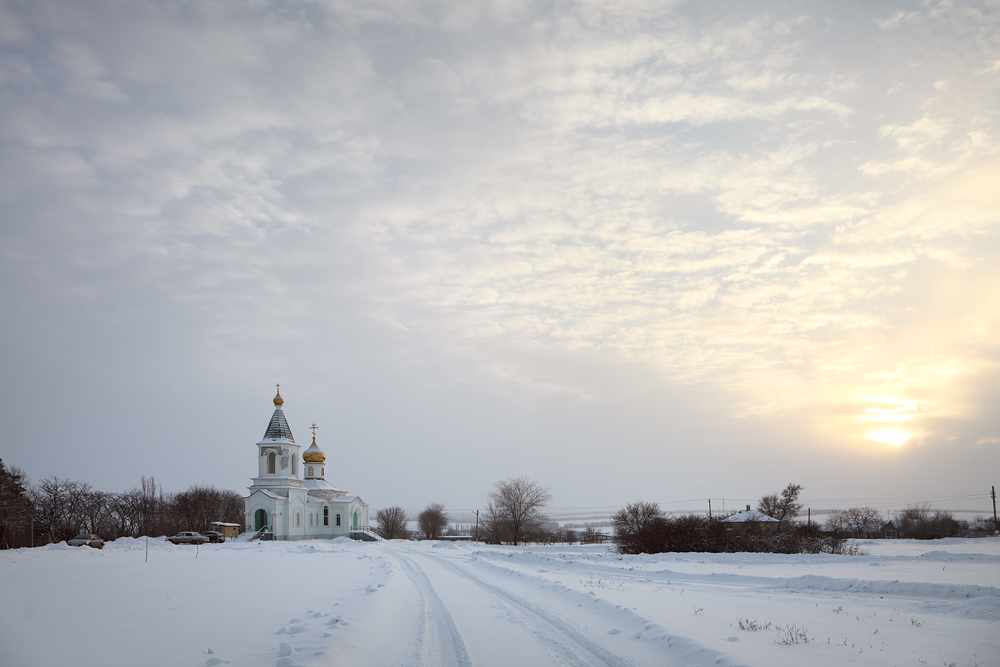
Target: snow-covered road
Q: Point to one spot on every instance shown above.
(458, 605)
(521, 632)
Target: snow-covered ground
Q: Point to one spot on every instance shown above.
(435, 603)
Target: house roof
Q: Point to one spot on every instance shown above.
(743, 516)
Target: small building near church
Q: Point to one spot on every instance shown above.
(290, 498)
(228, 530)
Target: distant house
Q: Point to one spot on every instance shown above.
(749, 519)
(889, 530)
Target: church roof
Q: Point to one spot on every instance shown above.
(278, 428)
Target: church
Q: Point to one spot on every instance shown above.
(291, 500)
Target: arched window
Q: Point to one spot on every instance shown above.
(310, 519)
(326, 516)
(295, 465)
(322, 472)
(310, 471)
(338, 519)
(270, 463)
(298, 519)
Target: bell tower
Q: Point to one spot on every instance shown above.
(278, 464)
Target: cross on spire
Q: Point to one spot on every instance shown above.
(314, 427)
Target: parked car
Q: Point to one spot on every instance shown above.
(187, 537)
(214, 536)
(89, 539)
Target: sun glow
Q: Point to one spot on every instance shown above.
(908, 410)
(893, 436)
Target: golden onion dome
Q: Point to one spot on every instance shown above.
(278, 400)
(314, 454)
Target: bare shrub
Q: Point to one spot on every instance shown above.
(432, 521)
(792, 634)
(753, 625)
(863, 521)
(392, 523)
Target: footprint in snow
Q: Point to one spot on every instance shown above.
(614, 631)
(284, 649)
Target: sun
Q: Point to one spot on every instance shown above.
(893, 436)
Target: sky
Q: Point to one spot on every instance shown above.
(661, 251)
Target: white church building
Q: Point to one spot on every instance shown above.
(290, 498)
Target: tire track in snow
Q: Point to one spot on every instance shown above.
(439, 642)
(569, 644)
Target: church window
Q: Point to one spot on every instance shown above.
(338, 519)
(295, 465)
(270, 463)
(326, 516)
(310, 471)
(322, 472)
(298, 520)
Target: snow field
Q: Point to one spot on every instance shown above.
(433, 603)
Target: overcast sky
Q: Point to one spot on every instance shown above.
(658, 251)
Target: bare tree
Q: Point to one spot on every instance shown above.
(514, 509)
(837, 523)
(863, 521)
(59, 507)
(784, 507)
(199, 506)
(392, 522)
(432, 521)
(639, 528)
(914, 519)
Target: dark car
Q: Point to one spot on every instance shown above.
(89, 539)
(187, 537)
(213, 536)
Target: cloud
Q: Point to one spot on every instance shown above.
(733, 198)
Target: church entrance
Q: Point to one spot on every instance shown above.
(260, 519)
(355, 521)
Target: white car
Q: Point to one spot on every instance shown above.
(89, 539)
(187, 537)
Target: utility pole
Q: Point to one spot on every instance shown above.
(477, 525)
(709, 509)
(993, 493)
(809, 514)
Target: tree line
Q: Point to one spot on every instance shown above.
(55, 509)
(514, 515)
(643, 527)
